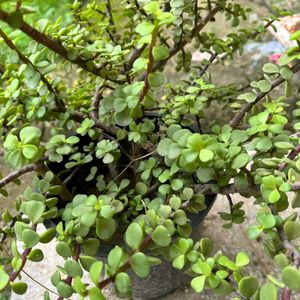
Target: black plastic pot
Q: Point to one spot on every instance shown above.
(163, 278)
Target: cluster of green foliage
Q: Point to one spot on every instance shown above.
(86, 94)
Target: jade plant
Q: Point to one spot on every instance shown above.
(117, 147)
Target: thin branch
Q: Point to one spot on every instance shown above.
(247, 107)
(292, 155)
(230, 203)
(16, 174)
(69, 278)
(11, 45)
(178, 46)
(150, 64)
(214, 56)
(50, 43)
(24, 255)
(110, 16)
(96, 102)
(147, 240)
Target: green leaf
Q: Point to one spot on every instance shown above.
(268, 291)
(36, 255)
(19, 288)
(63, 249)
(89, 218)
(176, 184)
(73, 268)
(152, 8)
(166, 18)
(30, 151)
(295, 36)
(144, 28)
(160, 52)
(86, 261)
(242, 259)
(30, 135)
(240, 161)
(248, 286)
(291, 277)
(271, 68)
(292, 230)
(175, 202)
(123, 284)
(180, 217)
(34, 210)
(206, 245)
(198, 284)
(95, 272)
(264, 144)
(95, 294)
(30, 238)
(90, 246)
(161, 236)
(264, 85)
(140, 265)
(286, 73)
(123, 118)
(281, 260)
(4, 278)
(64, 289)
(205, 268)
(140, 64)
(163, 146)
(134, 235)
(206, 155)
(105, 228)
(274, 196)
(284, 145)
(156, 79)
(114, 259)
(178, 262)
(249, 97)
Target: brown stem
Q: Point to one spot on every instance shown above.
(50, 43)
(96, 102)
(16, 174)
(26, 252)
(292, 155)
(69, 278)
(150, 64)
(214, 56)
(178, 46)
(110, 16)
(11, 45)
(247, 107)
(147, 240)
(286, 294)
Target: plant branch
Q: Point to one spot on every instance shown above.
(26, 252)
(215, 55)
(150, 64)
(147, 240)
(247, 107)
(96, 102)
(11, 45)
(292, 155)
(178, 46)
(16, 174)
(69, 278)
(50, 43)
(110, 16)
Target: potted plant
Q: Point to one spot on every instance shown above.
(126, 161)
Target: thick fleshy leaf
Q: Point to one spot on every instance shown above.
(134, 235)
